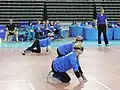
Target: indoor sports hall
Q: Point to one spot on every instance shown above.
(99, 61)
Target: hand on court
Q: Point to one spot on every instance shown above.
(81, 82)
(78, 87)
(47, 50)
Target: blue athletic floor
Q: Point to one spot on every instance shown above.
(56, 43)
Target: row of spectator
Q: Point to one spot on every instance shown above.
(91, 24)
(34, 31)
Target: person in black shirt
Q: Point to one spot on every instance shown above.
(11, 30)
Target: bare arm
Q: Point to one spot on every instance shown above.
(95, 23)
(106, 22)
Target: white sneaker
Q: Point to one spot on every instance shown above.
(51, 79)
(49, 75)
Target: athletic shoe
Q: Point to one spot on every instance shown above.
(50, 75)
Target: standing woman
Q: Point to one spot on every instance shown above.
(101, 25)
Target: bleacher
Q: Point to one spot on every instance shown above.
(20, 10)
(62, 10)
(112, 9)
(69, 11)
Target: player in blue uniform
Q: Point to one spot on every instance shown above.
(70, 61)
(40, 43)
(64, 49)
(67, 48)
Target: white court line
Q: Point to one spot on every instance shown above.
(14, 81)
(31, 86)
(6, 73)
(103, 85)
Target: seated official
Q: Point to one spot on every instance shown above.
(11, 29)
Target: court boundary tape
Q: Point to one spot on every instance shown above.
(103, 85)
(31, 85)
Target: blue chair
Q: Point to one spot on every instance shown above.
(75, 31)
(116, 33)
(91, 33)
(110, 33)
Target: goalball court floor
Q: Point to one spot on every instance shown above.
(101, 66)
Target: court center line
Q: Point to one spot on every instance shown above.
(103, 85)
(31, 86)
